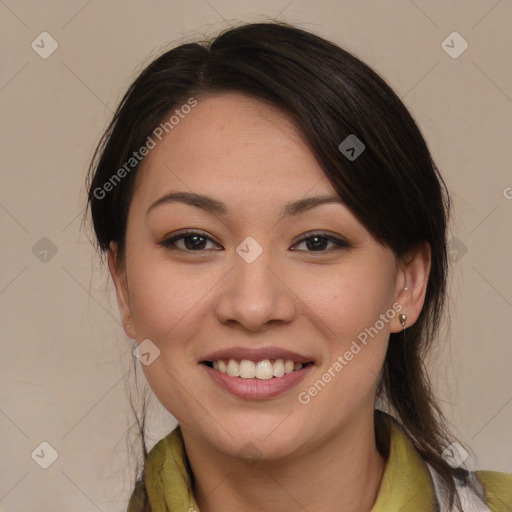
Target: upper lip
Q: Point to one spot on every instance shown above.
(256, 354)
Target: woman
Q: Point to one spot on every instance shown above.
(276, 233)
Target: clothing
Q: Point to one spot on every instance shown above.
(409, 484)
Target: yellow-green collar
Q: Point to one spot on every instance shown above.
(168, 479)
(406, 484)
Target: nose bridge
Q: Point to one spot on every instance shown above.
(253, 294)
(252, 270)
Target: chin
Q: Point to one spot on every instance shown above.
(254, 442)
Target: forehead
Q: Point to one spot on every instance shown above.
(231, 143)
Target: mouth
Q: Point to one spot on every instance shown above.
(258, 379)
(264, 369)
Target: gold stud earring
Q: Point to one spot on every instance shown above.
(403, 319)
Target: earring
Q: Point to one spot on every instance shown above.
(128, 326)
(403, 319)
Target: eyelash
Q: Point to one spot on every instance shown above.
(169, 243)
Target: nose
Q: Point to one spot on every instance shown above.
(255, 294)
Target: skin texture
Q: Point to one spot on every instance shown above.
(251, 156)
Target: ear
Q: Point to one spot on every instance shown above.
(411, 284)
(123, 298)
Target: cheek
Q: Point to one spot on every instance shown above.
(348, 299)
(349, 302)
(349, 306)
(165, 300)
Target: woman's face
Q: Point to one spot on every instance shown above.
(246, 285)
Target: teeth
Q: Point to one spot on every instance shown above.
(233, 368)
(247, 369)
(262, 370)
(279, 368)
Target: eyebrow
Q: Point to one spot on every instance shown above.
(215, 206)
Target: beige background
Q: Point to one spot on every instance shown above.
(64, 355)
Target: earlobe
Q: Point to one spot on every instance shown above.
(118, 275)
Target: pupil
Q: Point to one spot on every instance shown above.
(194, 245)
(316, 245)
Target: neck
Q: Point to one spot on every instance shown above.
(343, 472)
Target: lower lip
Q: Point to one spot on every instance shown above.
(257, 389)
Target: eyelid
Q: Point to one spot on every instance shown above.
(324, 234)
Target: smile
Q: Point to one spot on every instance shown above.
(263, 370)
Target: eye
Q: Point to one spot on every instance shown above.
(317, 242)
(193, 241)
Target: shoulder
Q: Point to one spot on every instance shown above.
(498, 489)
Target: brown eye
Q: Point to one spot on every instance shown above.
(193, 241)
(317, 242)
